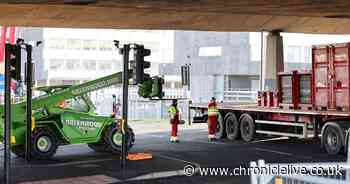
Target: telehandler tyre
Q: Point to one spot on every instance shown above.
(114, 139)
(44, 143)
(111, 141)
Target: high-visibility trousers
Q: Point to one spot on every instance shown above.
(174, 126)
(174, 129)
(212, 122)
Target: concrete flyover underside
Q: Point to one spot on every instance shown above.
(319, 16)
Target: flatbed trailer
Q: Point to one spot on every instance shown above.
(245, 121)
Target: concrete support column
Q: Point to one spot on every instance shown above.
(273, 62)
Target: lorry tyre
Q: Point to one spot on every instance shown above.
(220, 128)
(332, 140)
(247, 127)
(44, 144)
(232, 126)
(19, 150)
(113, 137)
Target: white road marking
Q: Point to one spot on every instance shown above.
(158, 175)
(267, 140)
(207, 142)
(157, 136)
(177, 159)
(273, 151)
(282, 153)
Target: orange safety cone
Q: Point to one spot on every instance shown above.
(139, 156)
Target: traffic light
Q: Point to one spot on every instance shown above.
(157, 87)
(185, 75)
(141, 64)
(13, 53)
(145, 89)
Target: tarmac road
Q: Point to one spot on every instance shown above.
(79, 164)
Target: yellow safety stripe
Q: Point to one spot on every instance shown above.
(213, 111)
(123, 124)
(33, 123)
(13, 139)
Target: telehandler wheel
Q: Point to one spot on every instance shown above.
(247, 127)
(44, 143)
(113, 137)
(19, 151)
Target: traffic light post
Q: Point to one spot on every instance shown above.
(135, 69)
(13, 72)
(7, 134)
(29, 75)
(125, 51)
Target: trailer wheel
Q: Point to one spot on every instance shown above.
(44, 144)
(232, 126)
(19, 151)
(220, 128)
(247, 127)
(332, 141)
(114, 139)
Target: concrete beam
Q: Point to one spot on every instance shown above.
(40, 15)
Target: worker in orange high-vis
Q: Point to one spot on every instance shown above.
(174, 120)
(213, 113)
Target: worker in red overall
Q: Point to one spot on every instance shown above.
(174, 120)
(213, 113)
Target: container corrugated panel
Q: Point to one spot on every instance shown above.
(305, 89)
(295, 90)
(331, 77)
(286, 91)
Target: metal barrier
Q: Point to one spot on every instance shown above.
(307, 177)
(240, 95)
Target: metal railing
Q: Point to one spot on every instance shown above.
(240, 95)
(307, 177)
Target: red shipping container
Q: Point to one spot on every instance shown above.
(295, 90)
(331, 67)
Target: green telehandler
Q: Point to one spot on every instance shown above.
(66, 115)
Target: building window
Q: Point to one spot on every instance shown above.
(106, 45)
(72, 64)
(90, 44)
(56, 64)
(255, 53)
(89, 65)
(105, 65)
(307, 54)
(57, 44)
(210, 51)
(294, 54)
(117, 65)
(74, 44)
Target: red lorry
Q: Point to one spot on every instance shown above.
(306, 104)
